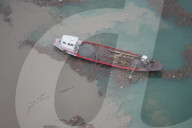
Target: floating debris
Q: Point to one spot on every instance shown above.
(6, 12)
(38, 100)
(182, 73)
(78, 121)
(27, 42)
(75, 121)
(171, 9)
(186, 69)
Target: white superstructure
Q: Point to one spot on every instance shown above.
(69, 44)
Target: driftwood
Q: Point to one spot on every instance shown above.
(78, 121)
(123, 53)
(67, 89)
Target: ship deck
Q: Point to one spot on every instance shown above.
(109, 56)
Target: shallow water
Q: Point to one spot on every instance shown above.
(185, 4)
(135, 27)
(171, 98)
(162, 106)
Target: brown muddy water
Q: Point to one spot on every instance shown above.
(79, 90)
(73, 91)
(12, 58)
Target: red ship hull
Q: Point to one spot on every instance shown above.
(110, 56)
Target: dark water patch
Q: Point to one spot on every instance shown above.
(27, 42)
(86, 50)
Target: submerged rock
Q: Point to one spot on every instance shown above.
(28, 42)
